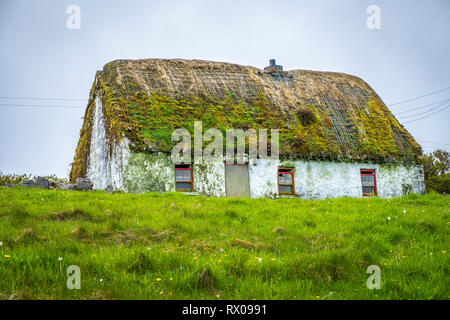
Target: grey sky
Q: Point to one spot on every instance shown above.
(40, 57)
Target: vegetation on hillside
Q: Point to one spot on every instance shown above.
(172, 246)
(15, 179)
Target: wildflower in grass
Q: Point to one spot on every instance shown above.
(404, 211)
(389, 218)
(403, 257)
(158, 279)
(317, 297)
(101, 280)
(444, 252)
(217, 295)
(148, 248)
(60, 265)
(170, 279)
(273, 259)
(219, 261)
(259, 259)
(7, 256)
(161, 292)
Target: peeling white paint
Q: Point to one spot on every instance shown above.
(155, 172)
(209, 178)
(103, 168)
(323, 179)
(149, 172)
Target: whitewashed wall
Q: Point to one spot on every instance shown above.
(322, 179)
(209, 179)
(313, 179)
(155, 172)
(105, 168)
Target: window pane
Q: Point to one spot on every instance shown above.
(187, 175)
(288, 178)
(367, 180)
(179, 175)
(183, 186)
(285, 178)
(285, 189)
(368, 190)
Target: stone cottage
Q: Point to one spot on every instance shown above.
(336, 136)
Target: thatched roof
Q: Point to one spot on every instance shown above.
(321, 115)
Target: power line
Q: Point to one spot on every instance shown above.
(425, 112)
(54, 99)
(435, 147)
(435, 142)
(421, 107)
(428, 115)
(425, 95)
(40, 106)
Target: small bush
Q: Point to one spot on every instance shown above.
(440, 184)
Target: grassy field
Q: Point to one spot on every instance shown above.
(172, 246)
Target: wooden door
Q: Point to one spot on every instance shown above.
(237, 182)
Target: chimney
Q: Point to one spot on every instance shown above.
(273, 67)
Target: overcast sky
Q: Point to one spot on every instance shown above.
(41, 58)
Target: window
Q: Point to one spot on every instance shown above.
(285, 181)
(369, 183)
(183, 177)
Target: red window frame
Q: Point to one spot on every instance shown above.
(289, 171)
(183, 168)
(372, 173)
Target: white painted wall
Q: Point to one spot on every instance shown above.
(209, 178)
(323, 179)
(105, 168)
(313, 179)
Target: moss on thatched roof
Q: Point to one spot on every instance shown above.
(321, 115)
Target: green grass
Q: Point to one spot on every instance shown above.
(218, 248)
